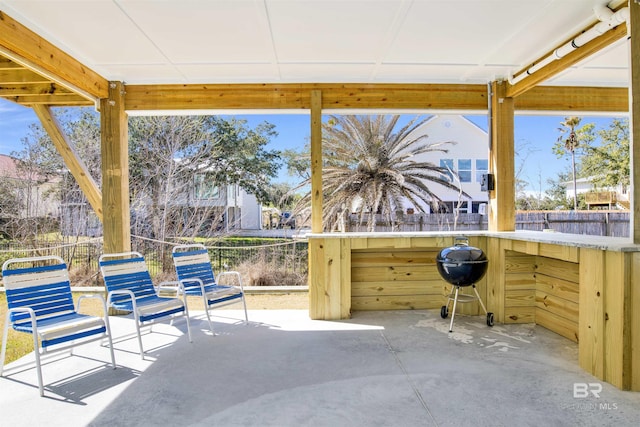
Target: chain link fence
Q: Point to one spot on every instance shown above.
(260, 261)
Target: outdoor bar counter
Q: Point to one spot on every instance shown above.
(584, 288)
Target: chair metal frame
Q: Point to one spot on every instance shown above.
(41, 303)
(197, 278)
(131, 289)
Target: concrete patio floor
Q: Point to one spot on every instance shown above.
(393, 368)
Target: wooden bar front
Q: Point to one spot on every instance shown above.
(581, 287)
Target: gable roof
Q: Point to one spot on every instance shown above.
(8, 167)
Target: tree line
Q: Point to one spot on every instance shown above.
(602, 155)
(178, 164)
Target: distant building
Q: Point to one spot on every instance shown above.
(468, 157)
(209, 208)
(33, 191)
(609, 197)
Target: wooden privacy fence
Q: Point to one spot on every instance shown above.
(595, 223)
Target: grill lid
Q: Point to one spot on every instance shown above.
(461, 252)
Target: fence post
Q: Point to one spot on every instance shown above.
(546, 221)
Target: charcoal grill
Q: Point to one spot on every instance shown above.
(462, 265)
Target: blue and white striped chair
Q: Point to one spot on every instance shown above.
(196, 277)
(40, 303)
(131, 289)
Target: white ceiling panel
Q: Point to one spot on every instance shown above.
(434, 32)
(615, 56)
(330, 30)
(444, 73)
(229, 73)
(133, 74)
(400, 41)
(326, 73)
(94, 31)
(543, 27)
(584, 76)
(204, 31)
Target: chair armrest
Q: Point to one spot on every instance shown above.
(235, 274)
(87, 296)
(123, 292)
(168, 286)
(198, 281)
(32, 315)
(29, 310)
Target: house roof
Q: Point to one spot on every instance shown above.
(8, 168)
(290, 41)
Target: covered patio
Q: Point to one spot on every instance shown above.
(399, 368)
(497, 57)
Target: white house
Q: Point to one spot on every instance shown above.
(611, 197)
(468, 156)
(33, 190)
(241, 210)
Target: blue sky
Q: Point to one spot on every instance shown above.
(536, 133)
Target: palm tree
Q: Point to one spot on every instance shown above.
(371, 167)
(571, 142)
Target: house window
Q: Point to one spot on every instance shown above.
(482, 167)
(233, 192)
(464, 170)
(447, 164)
(205, 189)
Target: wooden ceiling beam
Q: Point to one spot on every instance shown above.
(71, 100)
(571, 98)
(561, 64)
(21, 75)
(366, 97)
(30, 89)
(298, 96)
(7, 64)
(22, 45)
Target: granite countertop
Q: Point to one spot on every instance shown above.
(618, 244)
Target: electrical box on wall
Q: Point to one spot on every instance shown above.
(487, 183)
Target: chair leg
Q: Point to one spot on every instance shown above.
(186, 315)
(36, 350)
(4, 342)
(137, 319)
(246, 316)
(206, 310)
(108, 326)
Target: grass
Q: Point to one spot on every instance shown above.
(19, 344)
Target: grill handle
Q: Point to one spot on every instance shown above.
(461, 241)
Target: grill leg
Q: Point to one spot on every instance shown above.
(479, 299)
(453, 312)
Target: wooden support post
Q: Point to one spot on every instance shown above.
(633, 303)
(634, 116)
(329, 278)
(71, 159)
(115, 171)
(502, 215)
(316, 162)
(633, 300)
